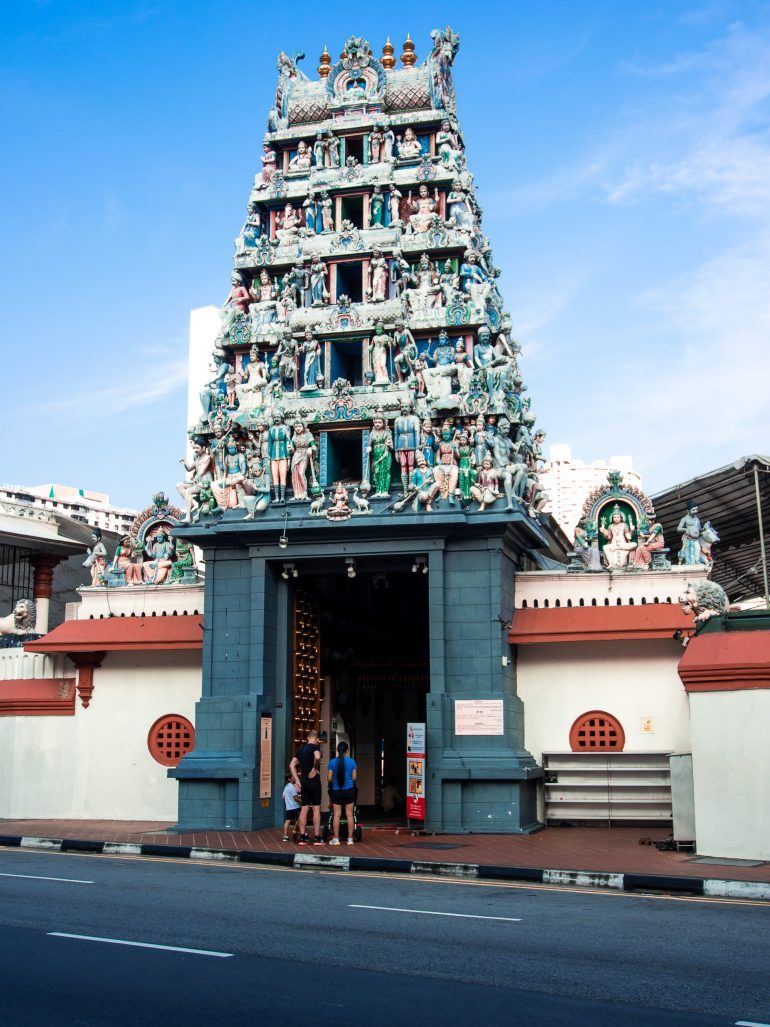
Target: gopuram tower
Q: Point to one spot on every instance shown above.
(364, 485)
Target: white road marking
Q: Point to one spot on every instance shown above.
(35, 877)
(140, 944)
(433, 912)
(750, 1023)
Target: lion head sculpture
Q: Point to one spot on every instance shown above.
(705, 599)
(22, 620)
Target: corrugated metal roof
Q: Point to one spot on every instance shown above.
(727, 498)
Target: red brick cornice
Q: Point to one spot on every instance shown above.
(37, 697)
(598, 623)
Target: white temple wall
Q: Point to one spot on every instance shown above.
(96, 764)
(731, 770)
(635, 681)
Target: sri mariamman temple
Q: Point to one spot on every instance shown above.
(362, 488)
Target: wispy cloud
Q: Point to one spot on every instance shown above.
(134, 392)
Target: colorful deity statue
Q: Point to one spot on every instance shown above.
(697, 540)
(254, 382)
(406, 351)
(406, 435)
(269, 162)
(394, 205)
(333, 150)
(475, 281)
(485, 489)
(446, 472)
(376, 208)
(448, 145)
(378, 348)
(480, 441)
(424, 291)
(428, 442)
(458, 207)
(200, 473)
(251, 230)
(378, 277)
(311, 353)
(319, 293)
(327, 212)
(96, 557)
(302, 453)
(422, 209)
(619, 544)
(409, 145)
(228, 487)
(288, 225)
(160, 550)
(380, 452)
(422, 485)
(321, 150)
(466, 465)
(650, 541)
(443, 374)
(301, 161)
(376, 144)
(311, 213)
(278, 447)
(388, 144)
(123, 562)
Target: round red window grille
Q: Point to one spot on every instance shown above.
(170, 738)
(596, 731)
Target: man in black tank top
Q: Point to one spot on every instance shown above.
(306, 773)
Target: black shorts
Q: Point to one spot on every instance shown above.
(311, 791)
(343, 798)
(292, 815)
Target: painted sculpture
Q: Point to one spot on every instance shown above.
(364, 296)
(149, 554)
(617, 531)
(20, 621)
(697, 539)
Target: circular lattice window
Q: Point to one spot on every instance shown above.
(597, 731)
(170, 738)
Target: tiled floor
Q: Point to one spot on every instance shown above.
(619, 850)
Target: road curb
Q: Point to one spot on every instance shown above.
(708, 887)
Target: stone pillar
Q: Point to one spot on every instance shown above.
(475, 783)
(43, 565)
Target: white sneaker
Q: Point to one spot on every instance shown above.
(334, 841)
(350, 841)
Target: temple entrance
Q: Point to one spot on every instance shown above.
(361, 670)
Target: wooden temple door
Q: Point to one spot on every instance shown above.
(306, 670)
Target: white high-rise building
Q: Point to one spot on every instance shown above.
(82, 505)
(568, 482)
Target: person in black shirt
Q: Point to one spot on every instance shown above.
(306, 772)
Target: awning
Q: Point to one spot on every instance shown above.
(598, 623)
(113, 634)
(725, 661)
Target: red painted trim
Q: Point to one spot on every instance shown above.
(598, 623)
(37, 697)
(726, 661)
(44, 565)
(116, 634)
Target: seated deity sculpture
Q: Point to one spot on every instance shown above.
(422, 209)
(160, 550)
(287, 225)
(448, 145)
(618, 548)
(425, 291)
(409, 145)
(263, 310)
(301, 161)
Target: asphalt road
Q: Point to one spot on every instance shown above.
(278, 946)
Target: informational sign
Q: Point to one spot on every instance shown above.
(265, 757)
(479, 717)
(415, 772)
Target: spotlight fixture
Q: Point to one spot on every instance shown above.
(283, 541)
(289, 571)
(351, 565)
(420, 564)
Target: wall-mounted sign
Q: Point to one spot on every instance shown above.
(265, 757)
(479, 717)
(415, 772)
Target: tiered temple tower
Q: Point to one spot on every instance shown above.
(366, 403)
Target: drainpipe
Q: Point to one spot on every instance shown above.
(761, 536)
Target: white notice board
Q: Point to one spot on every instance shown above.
(479, 717)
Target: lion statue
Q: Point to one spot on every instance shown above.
(21, 621)
(705, 599)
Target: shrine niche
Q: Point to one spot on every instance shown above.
(618, 531)
(149, 554)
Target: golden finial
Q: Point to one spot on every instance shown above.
(408, 57)
(325, 63)
(388, 60)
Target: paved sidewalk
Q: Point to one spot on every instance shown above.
(615, 850)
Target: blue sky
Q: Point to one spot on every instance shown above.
(622, 157)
